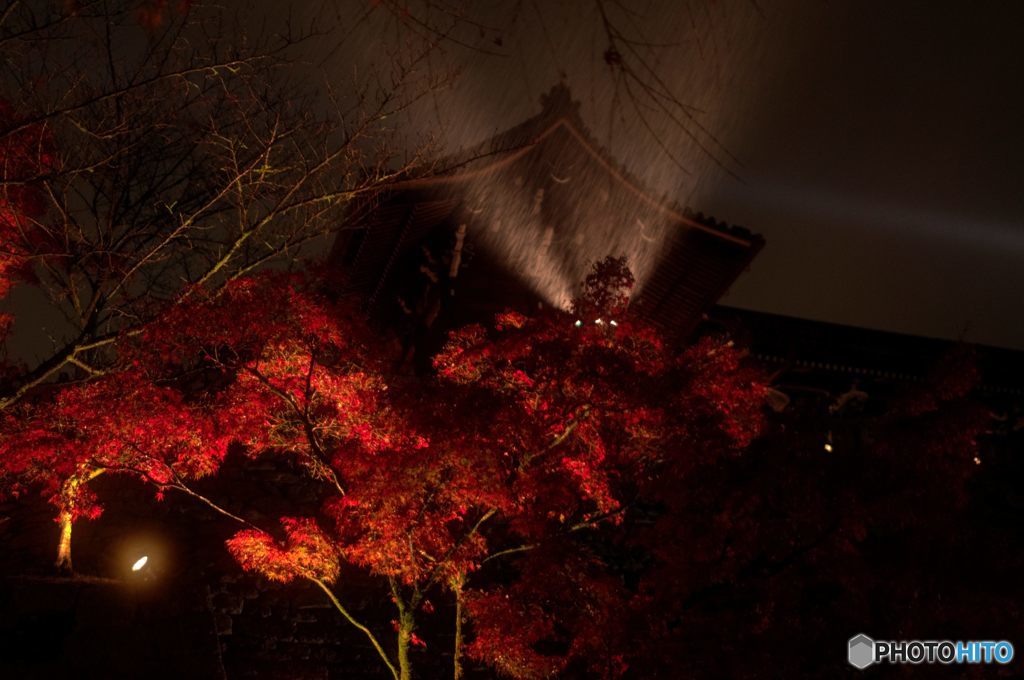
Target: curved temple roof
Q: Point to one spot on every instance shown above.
(546, 200)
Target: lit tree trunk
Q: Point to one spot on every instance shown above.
(64, 547)
(406, 623)
(405, 626)
(69, 497)
(457, 659)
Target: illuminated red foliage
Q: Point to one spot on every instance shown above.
(510, 476)
(122, 424)
(568, 482)
(565, 611)
(306, 552)
(509, 629)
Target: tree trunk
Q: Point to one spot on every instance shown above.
(457, 660)
(64, 547)
(405, 627)
(68, 498)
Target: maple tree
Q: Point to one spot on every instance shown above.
(502, 482)
(148, 150)
(150, 153)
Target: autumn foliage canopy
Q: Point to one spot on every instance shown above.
(504, 479)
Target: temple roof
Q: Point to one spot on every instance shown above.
(559, 117)
(545, 200)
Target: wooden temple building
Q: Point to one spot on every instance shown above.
(518, 220)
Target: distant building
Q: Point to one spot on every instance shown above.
(834, 356)
(829, 378)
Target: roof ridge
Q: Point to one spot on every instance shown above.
(559, 109)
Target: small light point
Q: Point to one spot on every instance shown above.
(828, 448)
(578, 323)
(140, 563)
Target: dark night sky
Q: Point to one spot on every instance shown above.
(886, 172)
(880, 144)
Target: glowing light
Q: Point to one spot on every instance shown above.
(140, 563)
(599, 322)
(977, 461)
(614, 322)
(578, 323)
(828, 447)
